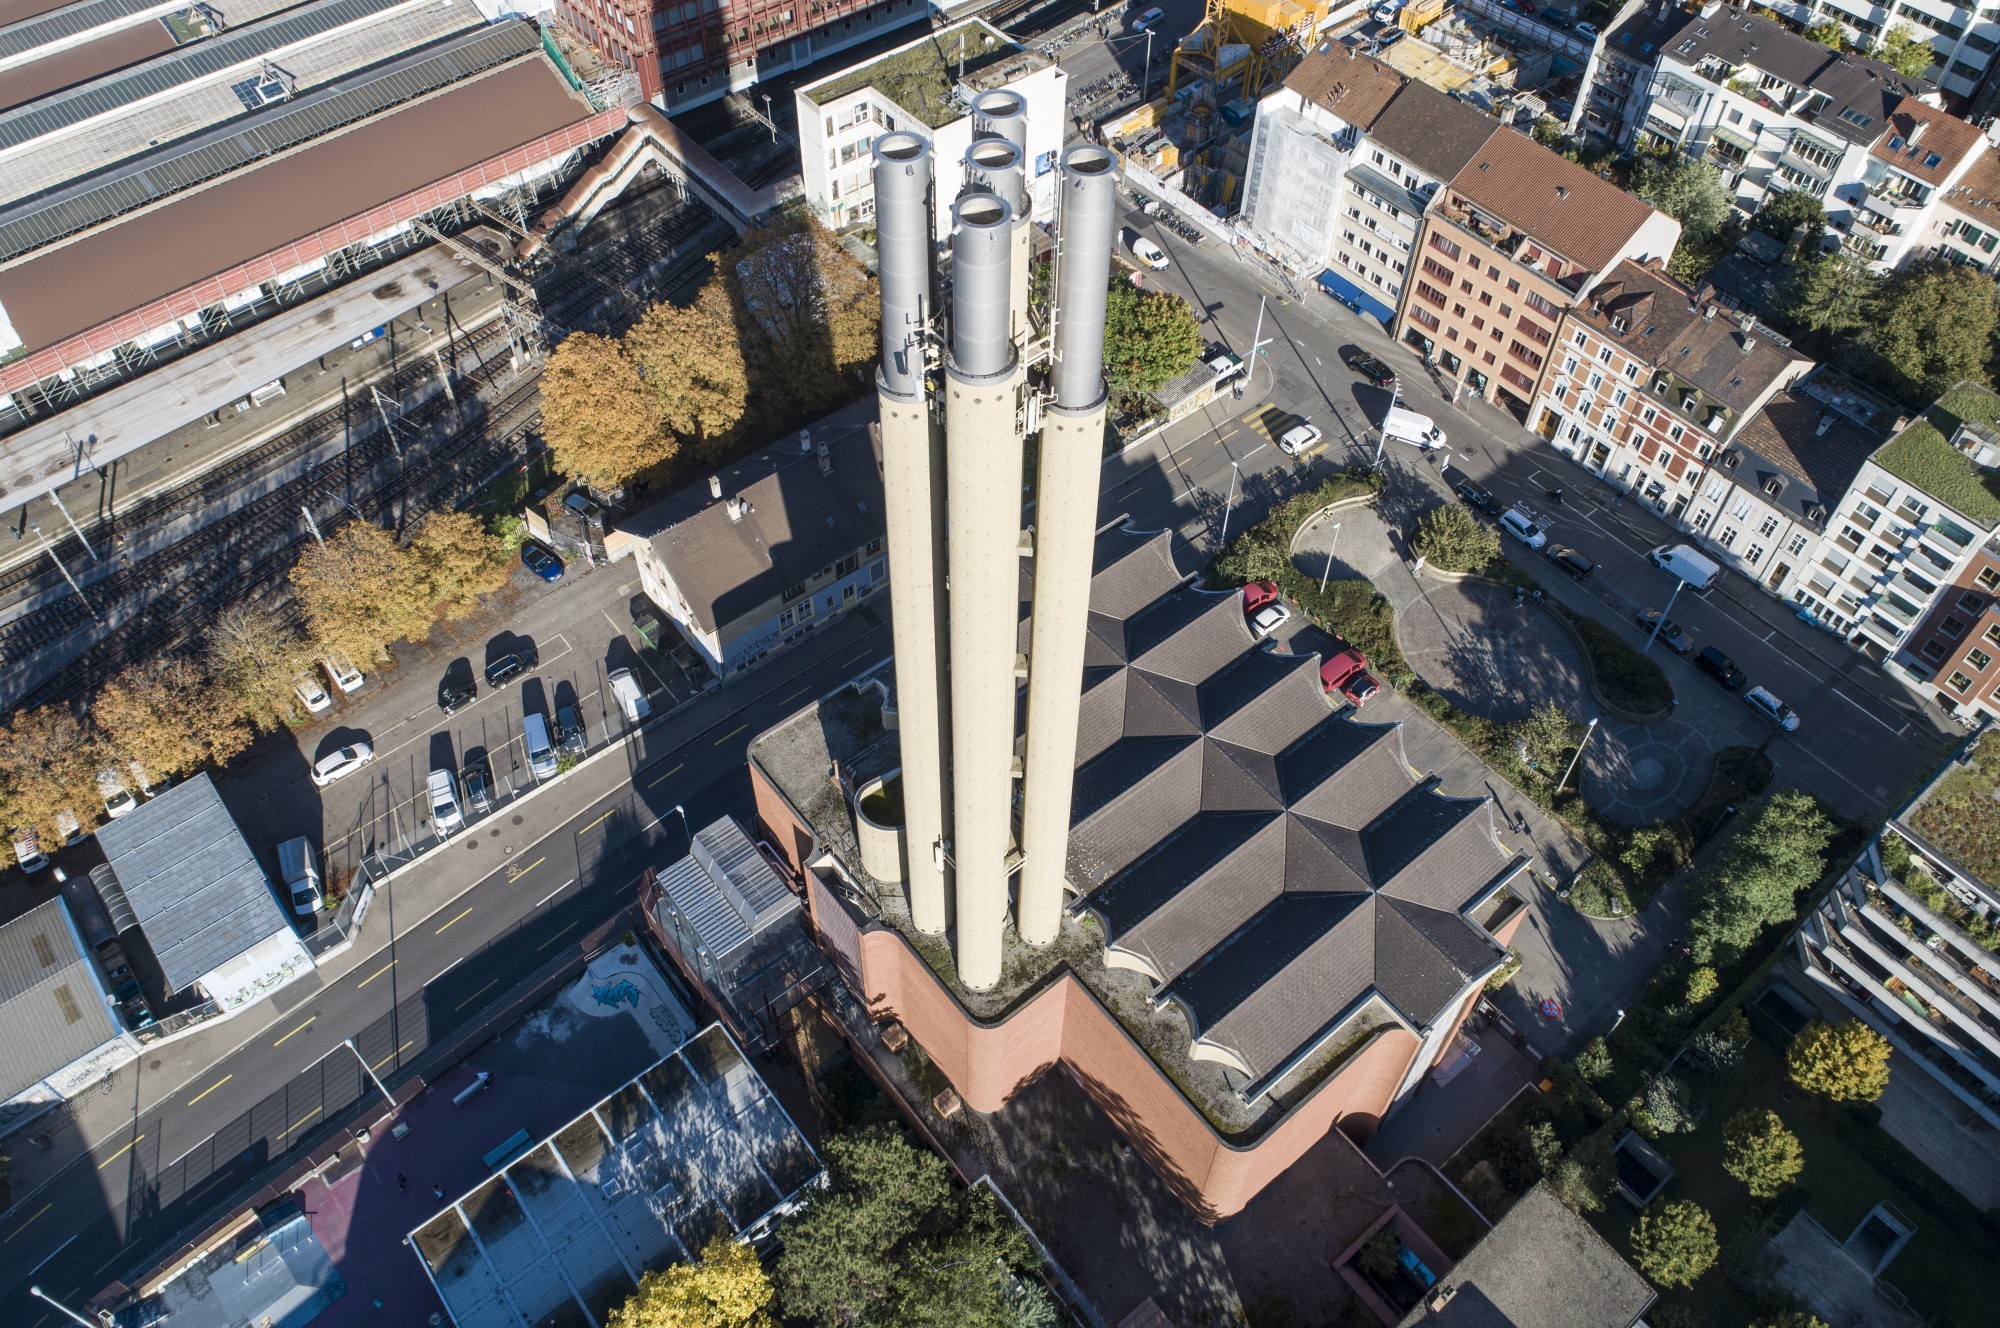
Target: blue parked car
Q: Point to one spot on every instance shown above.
(542, 563)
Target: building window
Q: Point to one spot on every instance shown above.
(1952, 626)
(1424, 317)
(1796, 545)
(1728, 540)
(1933, 651)
(1978, 660)
(1754, 554)
(1769, 527)
(1959, 682)
(1989, 578)
(1972, 603)
(1442, 245)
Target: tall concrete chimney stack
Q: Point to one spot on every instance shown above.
(913, 492)
(1066, 492)
(983, 456)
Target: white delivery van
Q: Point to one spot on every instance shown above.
(541, 752)
(631, 696)
(299, 870)
(1409, 427)
(1697, 569)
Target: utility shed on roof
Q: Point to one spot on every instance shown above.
(1541, 1267)
(726, 891)
(202, 901)
(53, 1007)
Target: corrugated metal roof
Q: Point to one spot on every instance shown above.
(52, 1008)
(68, 22)
(196, 888)
(725, 892)
(31, 225)
(195, 60)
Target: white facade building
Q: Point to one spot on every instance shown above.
(935, 78)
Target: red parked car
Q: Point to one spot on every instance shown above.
(1347, 673)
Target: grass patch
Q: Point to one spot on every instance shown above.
(1923, 455)
(1624, 677)
(921, 79)
(1958, 816)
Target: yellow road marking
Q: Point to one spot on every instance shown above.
(300, 1121)
(189, 1196)
(553, 939)
(295, 1032)
(115, 1258)
(448, 926)
(795, 696)
(376, 974)
(857, 659)
(392, 1055)
(600, 820)
(516, 873)
(727, 736)
(24, 1226)
(662, 779)
(210, 1089)
(475, 995)
(120, 1153)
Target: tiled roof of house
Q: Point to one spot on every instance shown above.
(1567, 207)
(1926, 142)
(1352, 86)
(1805, 450)
(1661, 322)
(1436, 133)
(1977, 193)
(1272, 864)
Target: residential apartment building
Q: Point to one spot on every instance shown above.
(1906, 942)
(1516, 238)
(686, 52)
(1774, 110)
(841, 114)
(1967, 228)
(1344, 159)
(1963, 36)
(1957, 646)
(770, 550)
(1918, 510)
(1651, 384)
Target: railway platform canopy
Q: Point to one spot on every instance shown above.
(50, 452)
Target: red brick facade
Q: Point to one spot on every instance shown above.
(1958, 645)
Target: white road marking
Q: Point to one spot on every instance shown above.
(1863, 709)
(553, 893)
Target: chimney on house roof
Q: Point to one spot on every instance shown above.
(715, 486)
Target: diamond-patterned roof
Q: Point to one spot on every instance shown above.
(1272, 863)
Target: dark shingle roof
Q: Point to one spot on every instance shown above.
(1809, 451)
(192, 881)
(799, 521)
(52, 1008)
(1273, 864)
(1667, 328)
(1434, 132)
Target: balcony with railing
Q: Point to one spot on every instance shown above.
(1906, 956)
(1866, 968)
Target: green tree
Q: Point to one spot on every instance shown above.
(691, 360)
(1781, 851)
(1686, 189)
(810, 310)
(48, 770)
(1378, 1257)
(1548, 737)
(1837, 296)
(1758, 1150)
(1904, 51)
(1585, 1179)
(725, 1288)
(1702, 983)
(1936, 326)
(1451, 539)
(165, 716)
(1674, 1243)
(600, 422)
(1720, 1049)
(360, 590)
(1666, 1107)
(1594, 1061)
(1790, 1319)
(460, 562)
(1150, 338)
(1785, 211)
(1845, 1062)
(1547, 130)
(1829, 33)
(889, 1241)
(252, 656)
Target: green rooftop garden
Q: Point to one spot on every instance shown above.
(1923, 455)
(1960, 815)
(921, 78)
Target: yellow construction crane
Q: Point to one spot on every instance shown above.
(1252, 42)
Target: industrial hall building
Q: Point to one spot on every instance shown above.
(1169, 861)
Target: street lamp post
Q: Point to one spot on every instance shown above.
(1395, 395)
(369, 1070)
(1146, 81)
(684, 823)
(1654, 635)
(1235, 469)
(1578, 757)
(1327, 571)
(1257, 344)
(65, 1310)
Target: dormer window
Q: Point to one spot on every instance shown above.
(1858, 120)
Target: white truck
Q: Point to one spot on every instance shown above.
(1407, 426)
(1697, 569)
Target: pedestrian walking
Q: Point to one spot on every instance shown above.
(1556, 496)
(402, 1181)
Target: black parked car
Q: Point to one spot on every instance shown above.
(1719, 667)
(504, 670)
(1477, 498)
(1569, 560)
(451, 696)
(1370, 368)
(1671, 635)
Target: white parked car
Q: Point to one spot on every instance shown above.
(445, 811)
(1270, 618)
(1298, 438)
(312, 693)
(1149, 253)
(28, 851)
(345, 761)
(1521, 524)
(117, 798)
(345, 676)
(1765, 702)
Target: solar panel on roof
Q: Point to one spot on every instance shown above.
(68, 22)
(31, 225)
(185, 65)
